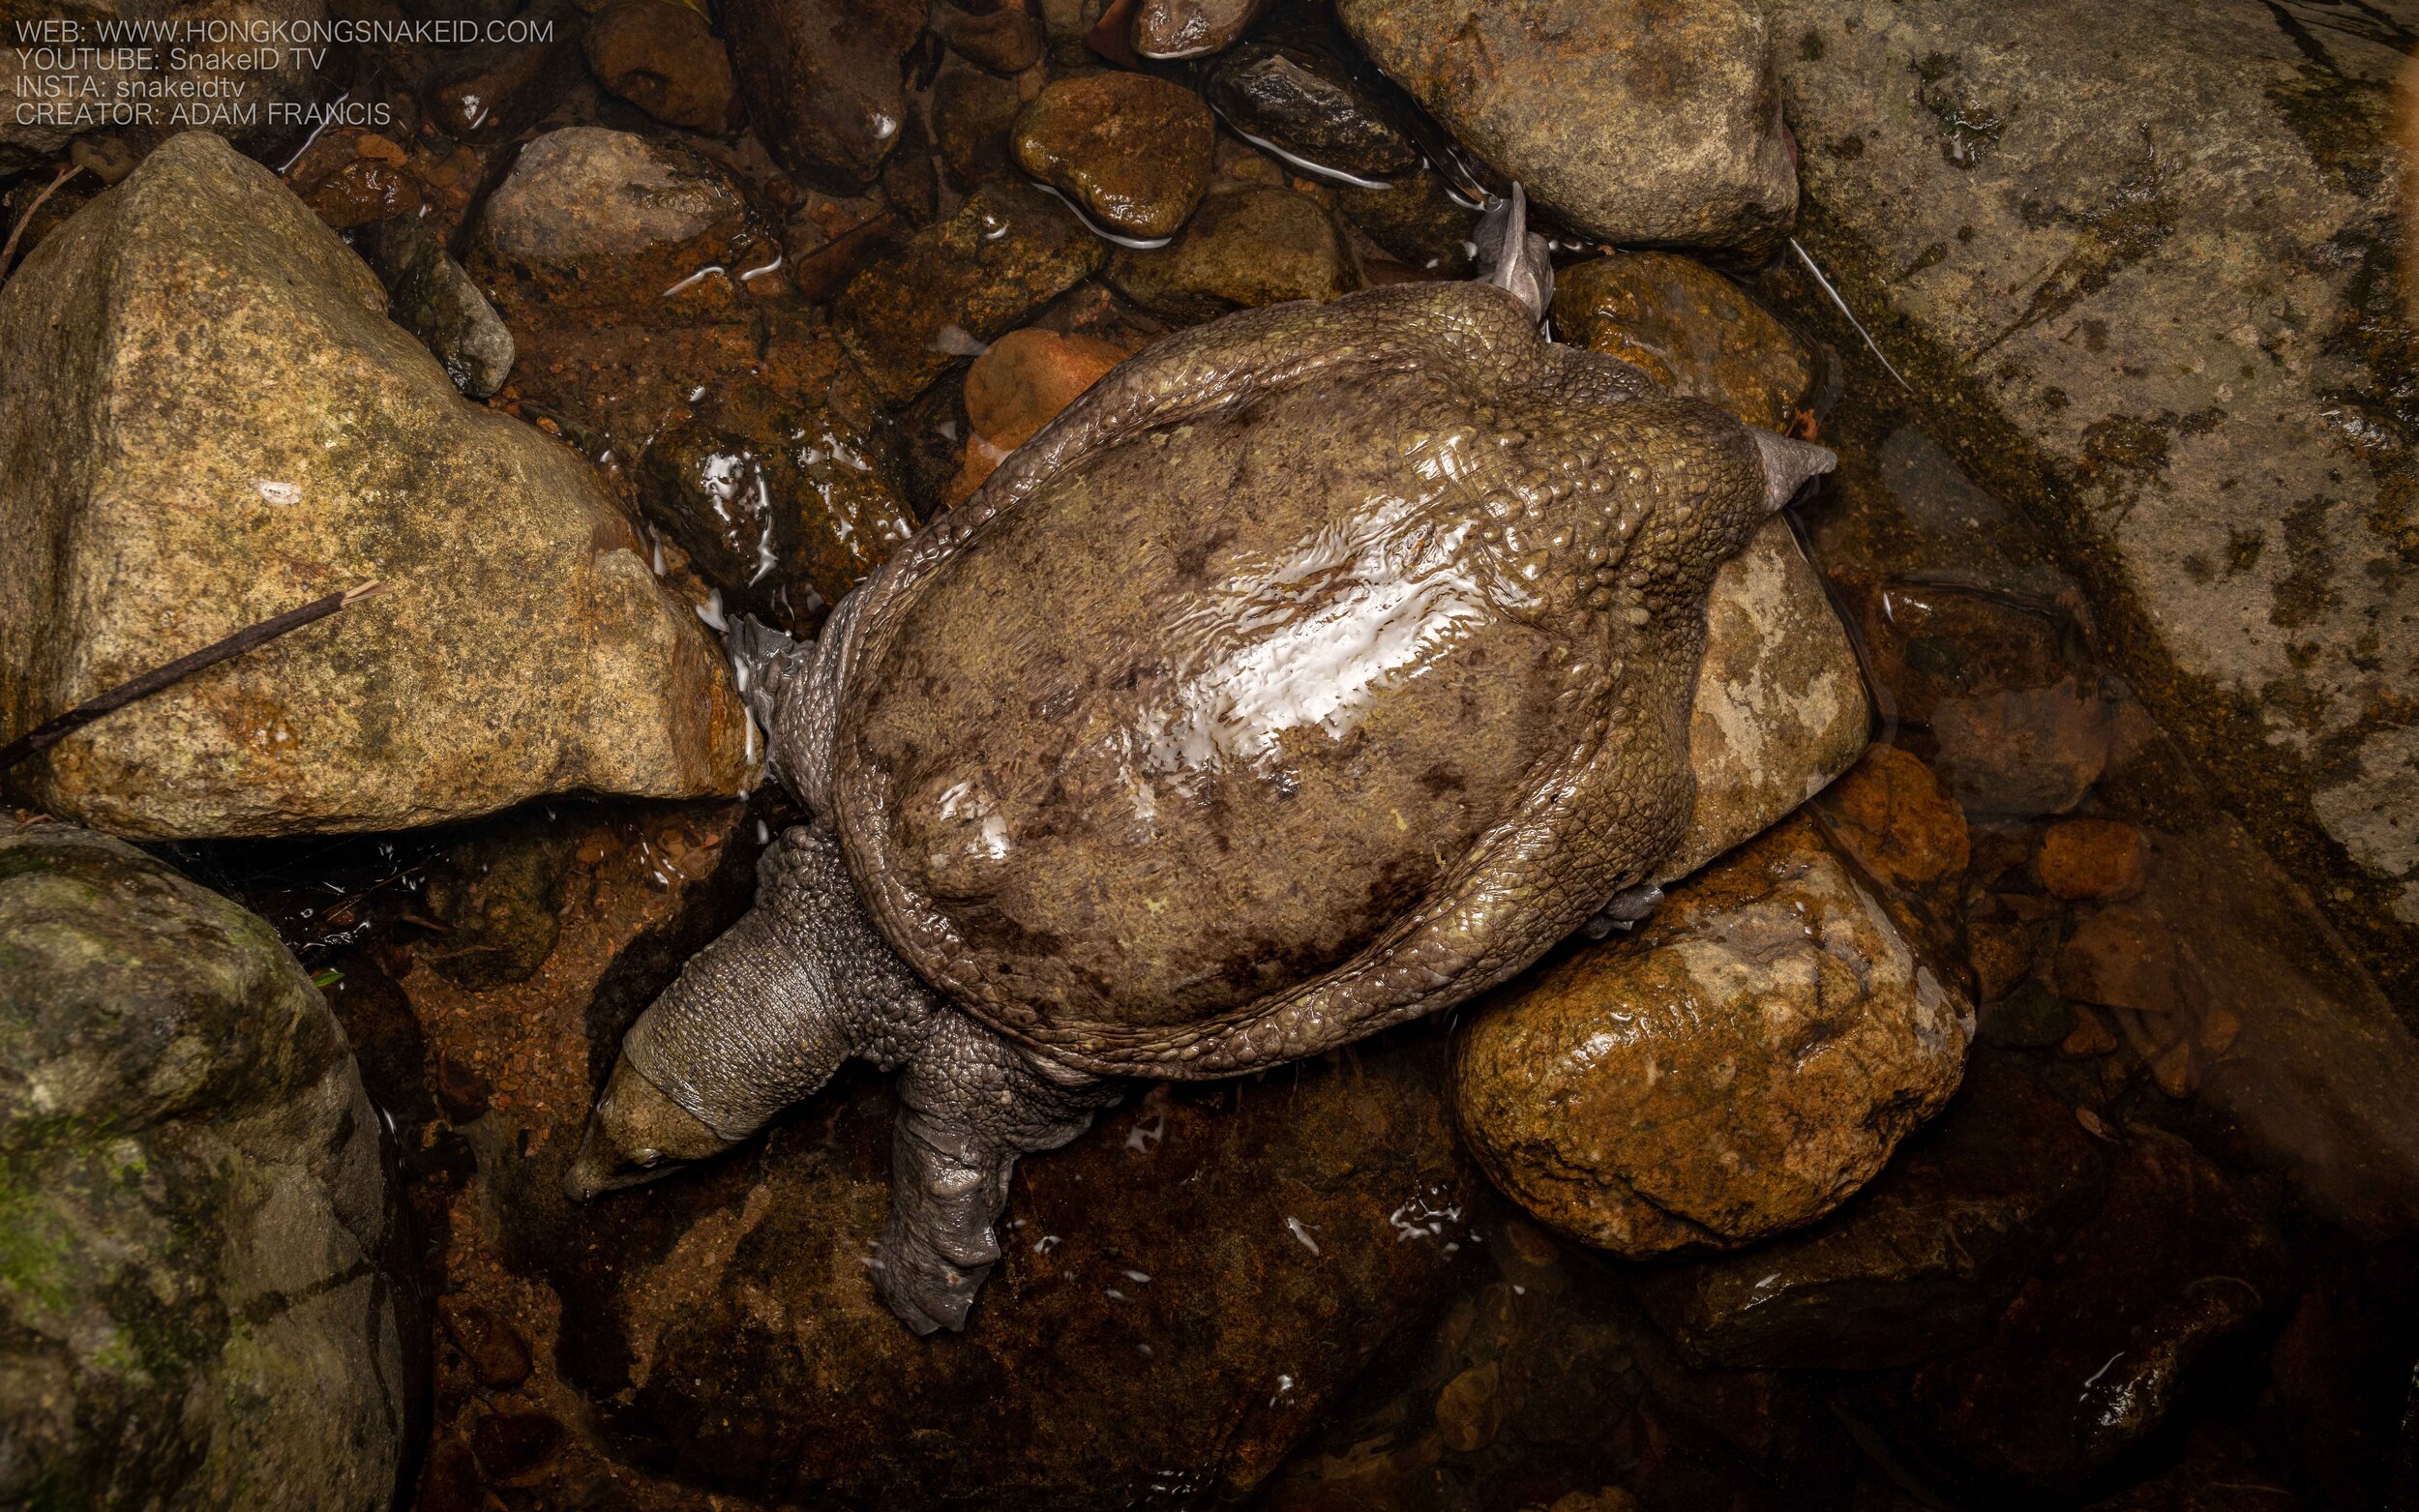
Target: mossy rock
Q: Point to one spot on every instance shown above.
(192, 1204)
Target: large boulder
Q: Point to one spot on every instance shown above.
(206, 420)
(1633, 121)
(2142, 276)
(193, 1308)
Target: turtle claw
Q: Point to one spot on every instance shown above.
(1512, 257)
(924, 1291)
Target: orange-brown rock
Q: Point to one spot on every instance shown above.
(2121, 958)
(662, 56)
(2091, 858)
(1738, 1067)
(1019, 386)
(1891, 813)
(1133, 150)
(1250, 245)
(1692, 330)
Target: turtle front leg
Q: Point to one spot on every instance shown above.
(755, 1021)
(971, 1102)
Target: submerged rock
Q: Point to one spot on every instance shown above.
(1004, 36)
(662, 56)
(194, 1292)
(1692, 330)
(2099, 1347)
(2154, 265)
(437, 301)
(596, 220)
(496, 88)
(824, 81)
(1738, 1066)
(1892, 816)
(1245, 247)
(1920, 1263)
(1131, 149)
(270, 438)
(961, 282)
(1630, 122)
(1187, 1288)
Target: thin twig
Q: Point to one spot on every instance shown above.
(1874, 347)
(10, 251)
(45, 736)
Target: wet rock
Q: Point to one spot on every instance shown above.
(1630, 122)
(2128, 323)
(1738, 1066)
(1004, 36)
(1245, 247)
(2121, 958)
(972, 113)
(1019, 386)
(83, 70)
(1921, 1263)
(437, 301)
(498, 895)
(597, 219)
(1308, 106)
(1890, 811)
(1779, 709)
(2001, 953)
(514, 1448)
(1132, 150)
(784, 492)
(191, 1290)
(1541, 1385)
(2022, 751)
(824, 81)
(2209, 1481)
(1417, 219)
(1191, 28)
(497, 1353)
(172, 322)
(963, 281)
(662, 56)
(493, 91)
(2019, 718)
(1692, 330)
(1187, 1288)
(2095, 1351)
(2081, 859)
(362, 190)
(2289, 1044)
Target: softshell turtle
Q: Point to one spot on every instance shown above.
(1317, 670)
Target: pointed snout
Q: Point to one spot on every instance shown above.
(1789, 466)
(634, 1135)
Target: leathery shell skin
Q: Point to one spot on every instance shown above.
(1317, 670)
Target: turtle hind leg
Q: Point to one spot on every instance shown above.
(756, 1021)
(971, 1102)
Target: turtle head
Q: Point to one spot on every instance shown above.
(636, 1134)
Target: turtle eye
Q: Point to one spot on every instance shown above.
(647, 1160)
